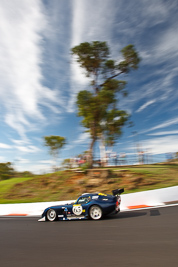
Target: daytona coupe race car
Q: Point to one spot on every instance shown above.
(88, 206)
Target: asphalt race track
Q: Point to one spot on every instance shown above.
(134, 238)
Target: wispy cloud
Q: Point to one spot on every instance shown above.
(27, 149)
(25, 146)
(48, 161)
(20, 142)
(165, 124)
(83, 138)
(5, 146)
(21, 48)
(20, 160)
(161, 145)
(3, 159)
(145, 105)
(164, 133)
(156, 145)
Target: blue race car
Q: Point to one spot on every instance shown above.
(88, 206)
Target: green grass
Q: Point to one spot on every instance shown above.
(8, 184)
(63, 186)
(49, 187)
(161, 176)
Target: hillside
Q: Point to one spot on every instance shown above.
(66, 185)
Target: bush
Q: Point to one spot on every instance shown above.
(6, 171)
(84, 167)
(26, 174)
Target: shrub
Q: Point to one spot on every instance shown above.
(6, 171)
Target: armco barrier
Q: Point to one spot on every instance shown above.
(144, 199)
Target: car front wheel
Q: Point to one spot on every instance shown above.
(51, 215)
(95, 212)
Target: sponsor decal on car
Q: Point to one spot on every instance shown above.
(95, 197)
(77, 209)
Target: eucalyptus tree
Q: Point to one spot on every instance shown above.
(99, 105)
(54, 143)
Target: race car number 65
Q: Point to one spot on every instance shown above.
(77, 210)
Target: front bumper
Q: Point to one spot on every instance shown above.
(43, 219)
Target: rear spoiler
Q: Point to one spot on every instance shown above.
(117, 191)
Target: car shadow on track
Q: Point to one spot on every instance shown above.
(126, 214)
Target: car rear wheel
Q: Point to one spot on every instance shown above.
(51, 215)
(95, 212)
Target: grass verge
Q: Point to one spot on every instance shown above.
(66, 185)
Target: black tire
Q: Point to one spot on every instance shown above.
(51, 215)
(95, 212)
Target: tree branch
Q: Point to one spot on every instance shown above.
(110, 78)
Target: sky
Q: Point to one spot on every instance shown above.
(39, 80)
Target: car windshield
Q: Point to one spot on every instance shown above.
(84, 200)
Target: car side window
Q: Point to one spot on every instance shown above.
(84, 200)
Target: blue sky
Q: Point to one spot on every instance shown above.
(39, 80)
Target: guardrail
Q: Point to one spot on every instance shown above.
(146, 199)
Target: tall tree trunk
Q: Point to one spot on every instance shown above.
(54, 162)
(90, 161)
(102, 151)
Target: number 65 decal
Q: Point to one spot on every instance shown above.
(77, 210)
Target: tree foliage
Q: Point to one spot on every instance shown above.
(66, 163)
(6, 171)
(99, 105)
(54, 143)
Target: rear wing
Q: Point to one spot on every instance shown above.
(117, 191)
